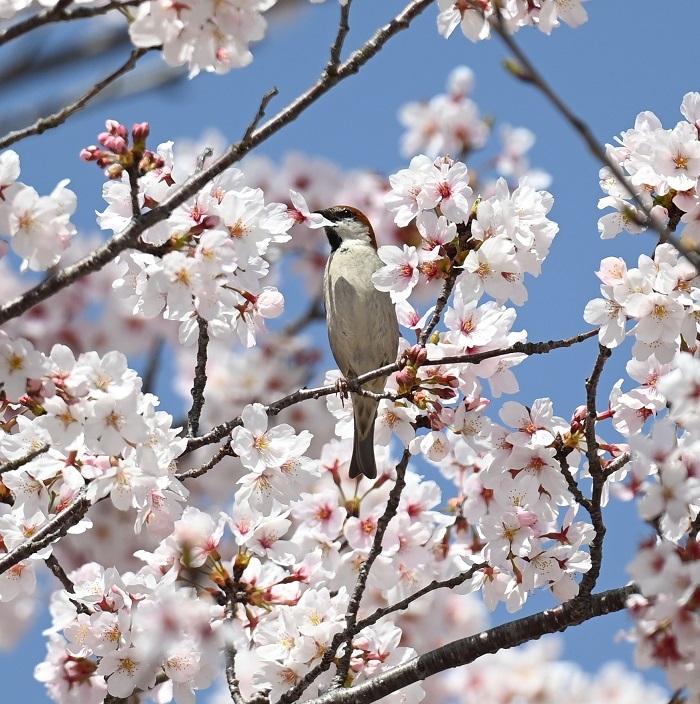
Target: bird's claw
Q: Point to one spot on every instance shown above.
(342, 386)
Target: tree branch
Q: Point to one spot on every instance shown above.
(200, 378)
(351, 615)
(528, 348)
(117, 244)
(58, 118)
(528, 73)
(21, 461)
(60, 13)
(467, 650)
(354, 606)
(337, 48)
(594, 467)
(55, 528)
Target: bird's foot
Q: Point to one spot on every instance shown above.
(342, 386)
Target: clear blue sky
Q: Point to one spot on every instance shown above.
(632, 55)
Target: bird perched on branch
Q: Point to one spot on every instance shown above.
(362, 328)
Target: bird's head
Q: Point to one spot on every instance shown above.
(346, 224)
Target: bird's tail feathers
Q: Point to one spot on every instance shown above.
(363, 461)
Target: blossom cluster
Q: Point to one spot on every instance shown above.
(662, 167)
(206, 259)
(660, 295)
(667, 568)
(117, 632)
(475, 17)
(79, 427)
(38, 227)
(206, 36)
(495, 241)
(659, 418)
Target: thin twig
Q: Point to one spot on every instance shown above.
(234, 686)
(527, 348)
(115, 245)
(58, 118)
(392, 507)
(617, 464)
(528, 73)
(260, 113)
(59, 13)
(574, 488)
(594, 467)
(224, 451)
(21, 461)
(350, 629)
(200, 378)
(337, 47)
(440, 304)
(405, 603)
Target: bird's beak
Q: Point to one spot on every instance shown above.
(324, 213)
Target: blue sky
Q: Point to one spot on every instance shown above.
(629, 57)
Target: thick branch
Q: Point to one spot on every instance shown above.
(466, 650)
(56, 528)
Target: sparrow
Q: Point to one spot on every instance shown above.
(362, 327)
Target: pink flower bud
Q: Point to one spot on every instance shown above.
(114, 127)
(140, 131)
(90, 153)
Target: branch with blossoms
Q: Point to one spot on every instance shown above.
(130, 234)
(646, 214)
(355, 384)
(308, 582)
(466, 650)
(60, 12)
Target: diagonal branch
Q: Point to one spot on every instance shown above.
(55, 528)
(467, 650)
(115, 245)
(351, 629)
(528, 73)
(354, 606)
(58, 118)
(60, 13)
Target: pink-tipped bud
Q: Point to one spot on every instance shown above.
(140, 131)
(114, 127)
(91, 153)
(416, 355)
(117, 145)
